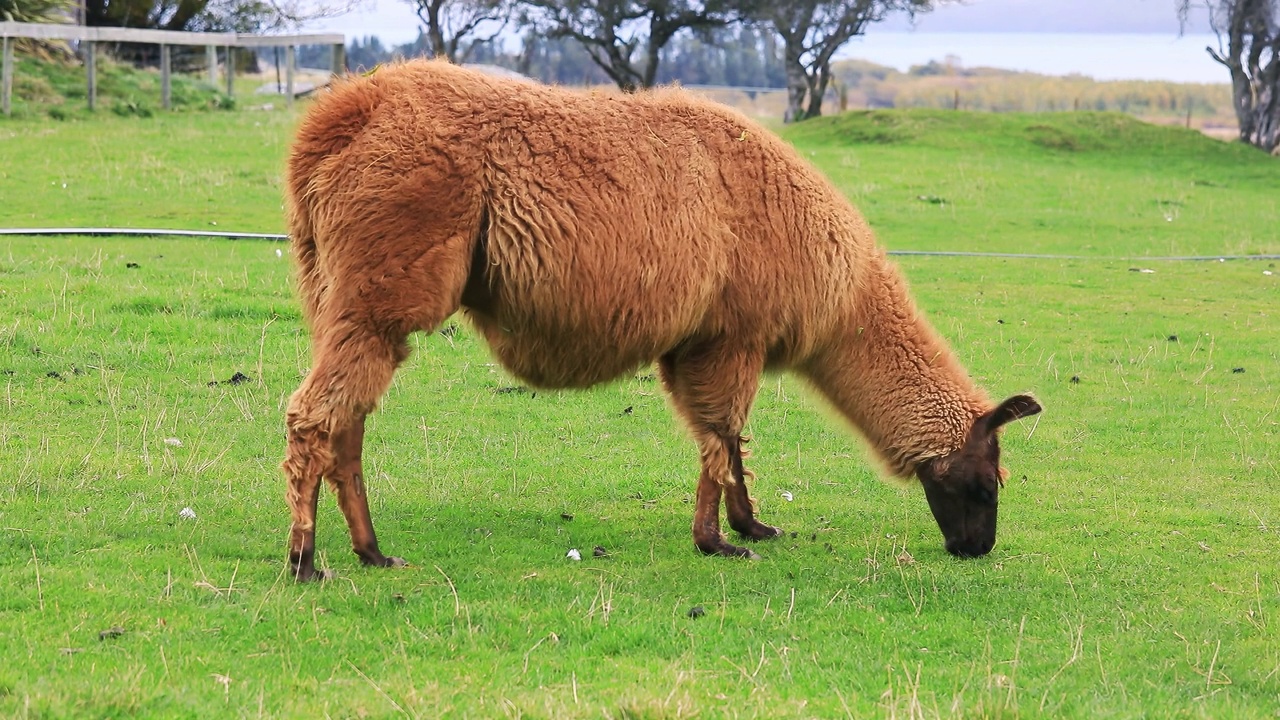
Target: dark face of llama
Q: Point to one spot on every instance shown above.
(963, 488)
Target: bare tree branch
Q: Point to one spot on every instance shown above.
(455, 27)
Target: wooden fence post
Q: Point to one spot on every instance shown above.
(7, 73)
(211, 59)
(231, 73)
(338, 59)
(289, 52)
(165, 80)
(91, 72)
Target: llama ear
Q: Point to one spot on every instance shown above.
(1016, 407)
(935, 468)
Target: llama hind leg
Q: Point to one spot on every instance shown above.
(347, 480)
(303, 494)
(325, 424)
(713, 389)
(359, 340)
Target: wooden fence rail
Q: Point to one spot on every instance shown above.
(89, 37)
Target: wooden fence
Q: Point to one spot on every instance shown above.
(90, 37)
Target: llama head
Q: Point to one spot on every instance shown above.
(963, 488)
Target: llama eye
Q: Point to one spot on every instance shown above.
(983, 494)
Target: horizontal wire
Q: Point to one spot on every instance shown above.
(158, 232)
(146, 232)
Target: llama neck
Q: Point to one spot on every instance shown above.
(895, 379)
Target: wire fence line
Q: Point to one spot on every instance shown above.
(143, 232)
(277, 237)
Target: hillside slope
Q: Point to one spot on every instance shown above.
(1083, 183)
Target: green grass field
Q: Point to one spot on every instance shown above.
(1135, 573)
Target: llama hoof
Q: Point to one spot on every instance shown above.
(302, 566)
(725, 549)
(380, 560)
(314, 575)
(760, 531)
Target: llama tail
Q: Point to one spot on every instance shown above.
(336, 119)
(333, 123)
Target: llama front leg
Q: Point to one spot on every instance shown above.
(706, 514)
(740, 509)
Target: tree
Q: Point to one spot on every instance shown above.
(37, 11)
(245, 16)
(745, 55)
(1250, 30)
(155, 14)
(210, 15)
(366, 53)
(33, 11)
(557, 61)
(455, 27)
(812, 31)
(612, 31)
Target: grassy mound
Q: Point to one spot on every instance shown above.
(60, 90)
(1075, 183)
(1066, 132)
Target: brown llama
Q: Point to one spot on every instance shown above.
(586, 235)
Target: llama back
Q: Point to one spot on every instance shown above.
(613, 227)
(671, 218)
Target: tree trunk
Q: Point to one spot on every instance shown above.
(1255, 95)
(610, 58)
(1242, 101)
(651, 60)
(818, 90)
(1255, 85)
(621, 72)
(1266, 129)
(435, 30)
(797, 83)
(1266, 95)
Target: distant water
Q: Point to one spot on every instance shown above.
(1103, 57)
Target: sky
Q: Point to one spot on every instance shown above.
(1052, 16)
(1104, 39)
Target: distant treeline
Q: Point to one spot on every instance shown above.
(748, 57)
(947, 85)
